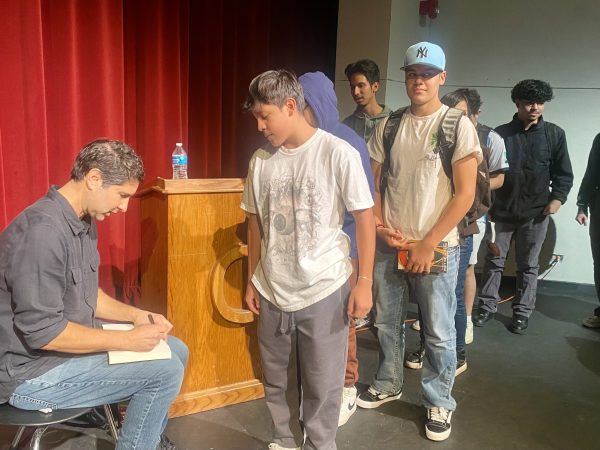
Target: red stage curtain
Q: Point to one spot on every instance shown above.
(78, 70)
(149, 72)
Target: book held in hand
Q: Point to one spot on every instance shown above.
(161, 351)
(439, 263)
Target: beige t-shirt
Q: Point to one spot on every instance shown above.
(418, 189)
(300, 197)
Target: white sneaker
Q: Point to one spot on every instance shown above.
(469, 333)
(273, 446)
(591, 322)
(348, 405)
(416, 325)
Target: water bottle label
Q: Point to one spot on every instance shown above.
(179, 159)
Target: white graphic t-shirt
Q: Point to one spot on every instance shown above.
(418, 189)
(300, 197)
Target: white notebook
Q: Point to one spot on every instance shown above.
(161, 351)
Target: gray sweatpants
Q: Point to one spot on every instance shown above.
(529, 237)
(303, 357)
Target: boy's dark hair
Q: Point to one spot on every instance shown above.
(534, 91)
(274, 87)
(365, 67)
(453, 98)
(116, 160)
(470, 96)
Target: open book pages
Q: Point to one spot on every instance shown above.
(161, 351)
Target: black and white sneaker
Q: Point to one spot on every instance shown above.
(461, 362)
(414, 360)
(438, 425)
(372, 398)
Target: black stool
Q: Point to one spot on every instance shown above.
(22, 418)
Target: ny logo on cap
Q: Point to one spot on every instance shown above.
(422, 52)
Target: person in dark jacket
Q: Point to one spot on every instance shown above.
(588, 201)
(536, 185)
(321, 111)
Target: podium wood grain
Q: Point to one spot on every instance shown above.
(193, 272)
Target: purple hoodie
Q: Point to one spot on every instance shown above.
(320, 96)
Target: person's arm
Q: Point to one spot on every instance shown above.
(464, 175)
(251, 297)
(496, 180)
(360, 301)
(393, 238)
(109, 308)
(588, 185)
(77, 338)
(561, 176)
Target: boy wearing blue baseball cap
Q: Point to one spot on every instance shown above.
(424, 187)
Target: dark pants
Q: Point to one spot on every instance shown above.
(460, 318)
(529, 237)
(595, 241)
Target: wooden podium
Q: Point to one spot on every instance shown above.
(193, 271)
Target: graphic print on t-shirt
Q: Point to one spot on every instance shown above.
(292, 211)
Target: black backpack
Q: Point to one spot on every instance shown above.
(446, 145)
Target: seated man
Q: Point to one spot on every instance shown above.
(52, 351)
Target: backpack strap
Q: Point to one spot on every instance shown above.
(390, 130)
(483, 133)
(447, 139)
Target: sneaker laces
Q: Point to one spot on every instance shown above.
(438, 414)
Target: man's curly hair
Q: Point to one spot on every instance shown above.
(532, 91)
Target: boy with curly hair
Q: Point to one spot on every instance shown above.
(536, 185)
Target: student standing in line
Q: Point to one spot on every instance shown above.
(299, 185)
(419, 208)
(321, 112)
(536, 185)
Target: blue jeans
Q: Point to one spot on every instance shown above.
(435, 295)
(88, 380)
(460, 318)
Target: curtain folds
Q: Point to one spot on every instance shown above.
(149, 72)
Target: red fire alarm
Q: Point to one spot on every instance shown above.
(429, 8)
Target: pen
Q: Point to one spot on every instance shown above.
(151, 319)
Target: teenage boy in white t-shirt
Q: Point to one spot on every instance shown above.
(299, 185)
(421, 203)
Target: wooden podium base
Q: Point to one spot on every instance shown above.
(216, 397)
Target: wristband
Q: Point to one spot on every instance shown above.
(365, 278)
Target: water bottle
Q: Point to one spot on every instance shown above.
(179, 160)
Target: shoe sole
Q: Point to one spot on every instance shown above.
(373, 405)
(412, 365)
(437, 436)
(591, 326)
(460, 370)
(515, 331)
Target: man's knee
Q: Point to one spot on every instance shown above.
(179, 348)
